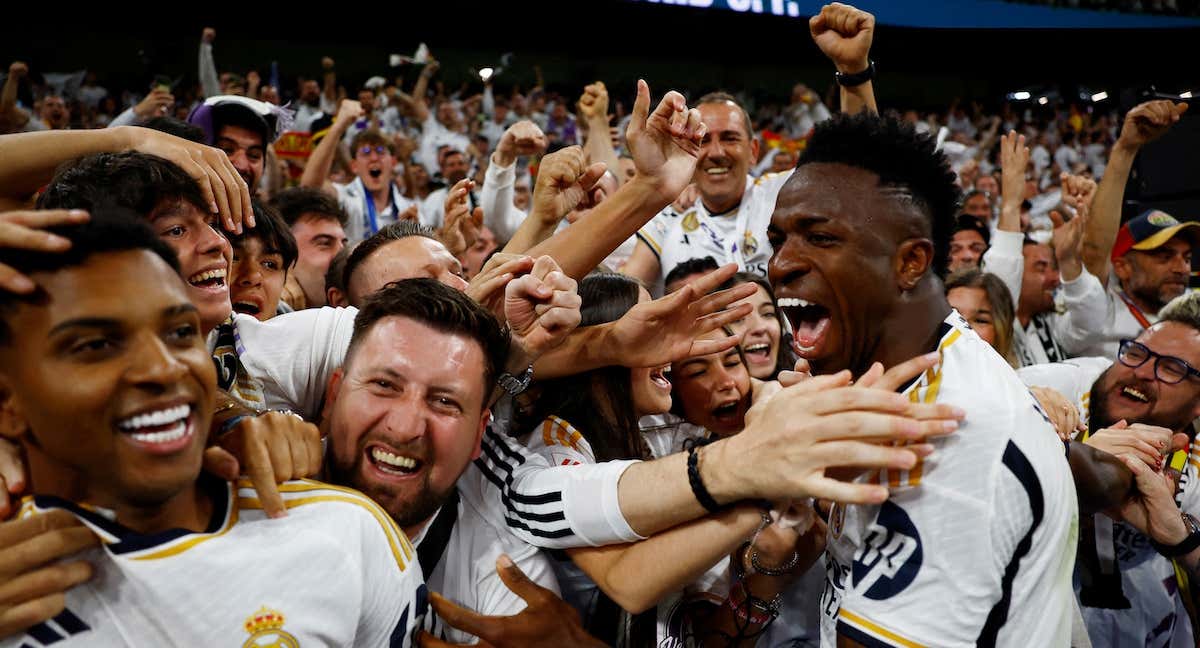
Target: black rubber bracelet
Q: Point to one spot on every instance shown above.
(857, 78)
(1187, 546)
(702, 495)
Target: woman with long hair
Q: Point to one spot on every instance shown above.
(987, 305)
(765, 342)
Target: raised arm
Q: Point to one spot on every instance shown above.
(501, 216)
(1145, 123)
(844, 34)
(210, 83)
(563, 181)
(1004, 258)
(666, 146)
(316, 172)
(329, 82)
(28, 162)
(12, 117)
(420, 93)
(593, 112)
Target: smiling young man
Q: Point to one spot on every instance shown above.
(976, 542)
(108, 386)
(406, 414)
(1141, 405)
(318, 224)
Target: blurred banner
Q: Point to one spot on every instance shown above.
(1003, 14)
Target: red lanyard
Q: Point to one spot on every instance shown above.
(1134, 310)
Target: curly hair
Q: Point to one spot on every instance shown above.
(901, 157)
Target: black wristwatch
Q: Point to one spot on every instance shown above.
(1189, 543)
(516, 384)
(856, 79)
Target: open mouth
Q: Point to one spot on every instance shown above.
(717, 171)
(208, 280)
(659, 377)
(810, 324)
(1134, 394)
(162, 431)
(375, 173)
(390, 463)
(247, 308)
(758, 353)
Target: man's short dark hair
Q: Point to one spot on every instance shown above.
(440, 307)
(274, 234)
(967, 222)
(393, 232)
(294, 202)
(133, 180)
(110, 229)
(335, 274)
(176, 127)
(901, 157)
(699, 265)
(725, 97)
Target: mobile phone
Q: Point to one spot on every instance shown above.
(162, 82)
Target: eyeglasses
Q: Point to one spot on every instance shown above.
(1168, 369)
(378, 148)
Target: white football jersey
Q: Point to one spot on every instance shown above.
(1147, 609)
(462, 566)
(976, 544)
(335, 572)
(739, 236)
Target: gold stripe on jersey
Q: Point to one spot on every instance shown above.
(652, 243)
(556, 431)
(190, 540)
(928, 394)
(874, 629)
(293, 495)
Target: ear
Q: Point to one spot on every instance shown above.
(13, 425)
(335, 383)
(484, 418)
(1123, 268)
(335, 297)
(754, 148)
(912, 262)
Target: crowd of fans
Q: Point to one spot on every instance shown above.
(576, 372)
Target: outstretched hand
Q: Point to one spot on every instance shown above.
(665, 144)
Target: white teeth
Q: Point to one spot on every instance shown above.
(171, 415)
(717, 171)
(1130, 391)
(758, 347)
(792, 302)
(383, 456)
(174, 434)
(219, 273)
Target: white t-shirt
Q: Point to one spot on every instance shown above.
(353, 199)
(434, 136)
(294, 354)
(466, 570)
(1120, 323)
(335, 572)
(1156, 616)
(977, 542)
(739, 236)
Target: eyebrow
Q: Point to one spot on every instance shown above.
(111, 323)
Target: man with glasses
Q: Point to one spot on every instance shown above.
(372, 201)
(1135, 564)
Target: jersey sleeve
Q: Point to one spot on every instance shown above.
(546, 505)
(293, 355)
(394, 598)
(654, 233)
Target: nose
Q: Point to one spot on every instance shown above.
(152, 366)
(212, 242)
(406, 420)
(247, 273)
(725, 381)
(1181, 264)
(1146, 372)
(787, 265)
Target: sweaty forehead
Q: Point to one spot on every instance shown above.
(723, 116)
(847, 195)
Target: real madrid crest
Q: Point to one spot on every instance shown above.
(837, 520)
(691, 222)
(266, 630)
(749, 244)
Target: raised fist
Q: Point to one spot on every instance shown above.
(844, 34)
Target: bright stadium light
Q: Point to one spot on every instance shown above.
(1042, 101)
(1100, 96)
(1186, 94)
(1020, 96)
(486, 73)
